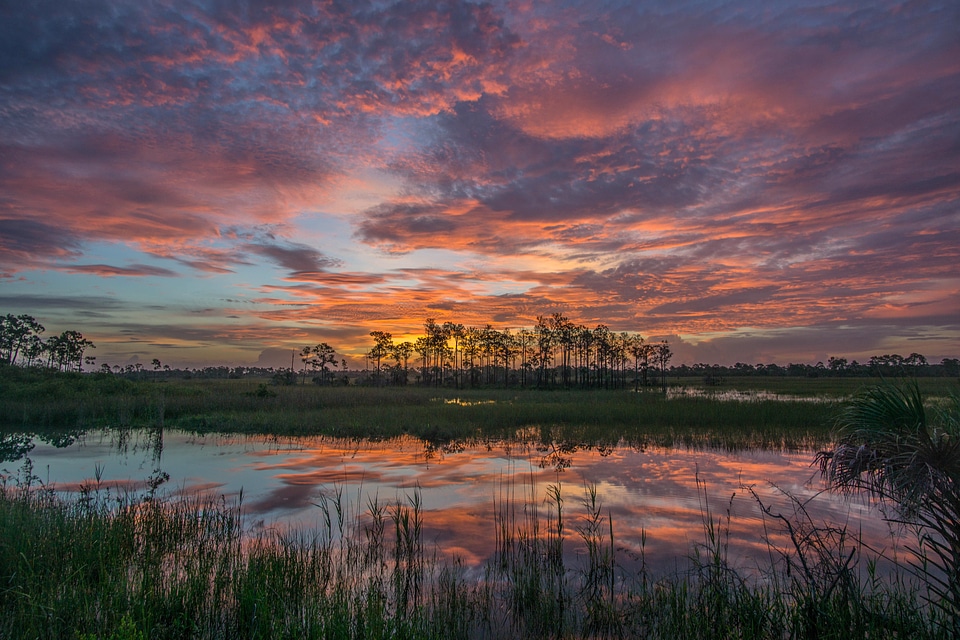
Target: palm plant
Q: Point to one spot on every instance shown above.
(891, 446)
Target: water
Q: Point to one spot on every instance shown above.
(737, 395)
(658, 498)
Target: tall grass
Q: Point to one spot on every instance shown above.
(108, 566)
(58, 405)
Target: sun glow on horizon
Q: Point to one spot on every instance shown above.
(761, 183)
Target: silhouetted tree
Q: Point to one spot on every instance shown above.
(837, 365)
(382, 344)
(318, 357)
(638, 349)
(525, 342)
(456, 332)
(545, 340)
(562, 331)
(15, 333)
(662, 355)
(401, 353)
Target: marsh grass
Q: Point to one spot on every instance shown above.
(53, 404)
(111, 566)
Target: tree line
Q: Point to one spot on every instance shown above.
(889, 365)
(21, 342)
(554, 353)
(557, 353)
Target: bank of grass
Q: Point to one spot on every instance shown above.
(443, 415)
(104, 566)
(38, 401)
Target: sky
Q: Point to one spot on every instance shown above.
(216, 183)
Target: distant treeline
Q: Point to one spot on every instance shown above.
(559, 353)
(890, 366)
(555, 353)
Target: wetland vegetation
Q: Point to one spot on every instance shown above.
(801, 414)
(41, 402)
(104, 565)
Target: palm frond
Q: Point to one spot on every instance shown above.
(887, 446)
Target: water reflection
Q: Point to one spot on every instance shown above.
(463, 402)
(659, 498)
(735, 395)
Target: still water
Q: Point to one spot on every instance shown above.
(659, 498)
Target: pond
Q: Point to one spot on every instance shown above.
(739, 395)
(660, 499)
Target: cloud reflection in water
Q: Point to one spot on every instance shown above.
(652, 493)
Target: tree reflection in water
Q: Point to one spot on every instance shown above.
(653, 496)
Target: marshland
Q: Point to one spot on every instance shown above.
(394, 319)
(169, 507)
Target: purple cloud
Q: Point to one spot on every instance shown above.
(698, 167)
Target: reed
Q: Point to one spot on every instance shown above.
(63, 405)
(109, 566)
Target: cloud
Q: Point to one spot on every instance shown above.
(44, 302)
(713, 189)
(292, 256)
(28, 242)
(817, 344)
(135, 270)
(152, 126)
(671, 167)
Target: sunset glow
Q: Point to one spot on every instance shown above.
(654, 495)
(210, 183)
